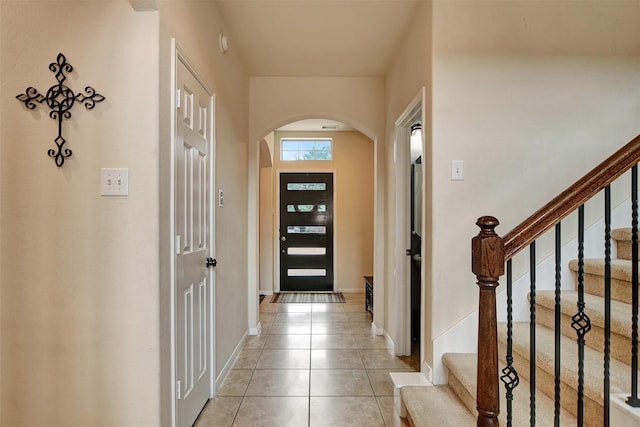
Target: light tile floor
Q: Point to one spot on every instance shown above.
(313, 365)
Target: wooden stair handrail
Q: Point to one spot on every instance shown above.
(571, 199)
(489, 253)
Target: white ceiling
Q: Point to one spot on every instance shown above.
(347, 38)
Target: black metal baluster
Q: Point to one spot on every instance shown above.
(633, 399)
(532, 334)
(607, 302)
(509, 374)
(558, 314)
(580, 321)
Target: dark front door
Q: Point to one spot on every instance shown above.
(306, 232)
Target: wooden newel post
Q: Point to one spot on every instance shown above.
(487, 252)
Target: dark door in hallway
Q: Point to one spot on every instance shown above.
(306, 232)
(416, 247)
(416, 292)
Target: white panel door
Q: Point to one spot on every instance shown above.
(192, 216)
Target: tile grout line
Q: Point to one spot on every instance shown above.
(310, 361)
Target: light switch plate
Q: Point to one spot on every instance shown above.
(114, 182)
(457, 170)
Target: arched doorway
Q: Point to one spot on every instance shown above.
(324, 244)
(355, 171)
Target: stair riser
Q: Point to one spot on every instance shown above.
(620, 289)
(463, 394)
(620, 345)
(593, 411)
(624, 249)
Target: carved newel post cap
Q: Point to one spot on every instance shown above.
(487, 251)
(487, 224)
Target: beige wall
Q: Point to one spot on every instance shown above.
(410, 72)
(276, 101)
(522, 91)
(516, 89)
(267, 215)
(79, 272)
(359, 102)
(267, 218)
(352, 166)
(80, 300)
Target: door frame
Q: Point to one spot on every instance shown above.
(178, 55)
(276, 226)
(402, 149)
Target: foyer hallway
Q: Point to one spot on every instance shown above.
(313, 365)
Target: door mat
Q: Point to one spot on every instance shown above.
(308, 297)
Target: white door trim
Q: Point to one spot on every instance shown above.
(402, 147)
(178, 55)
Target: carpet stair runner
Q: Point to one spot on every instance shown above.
(462, 367)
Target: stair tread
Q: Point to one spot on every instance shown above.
(464, 367)
(620, 373)
(624, 245)
(594, 308)
(435, 406)
(621, 269)
(621, 234)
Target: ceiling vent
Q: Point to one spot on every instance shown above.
(329, 127)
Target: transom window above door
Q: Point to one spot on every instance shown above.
(305, 149)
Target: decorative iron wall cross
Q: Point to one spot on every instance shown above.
(60, 100)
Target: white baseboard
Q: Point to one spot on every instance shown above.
(426, 370)
(227, 366)
(375, 330)
(390, 342)
(256, 330)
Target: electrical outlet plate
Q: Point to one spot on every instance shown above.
(114, 182)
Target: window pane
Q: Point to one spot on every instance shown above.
(308, 145)
(306, 251)
(323, 154)
(306, 208)
(288, 144)
(306, 186)
(289, 155)
(324, 145)
(306, 229)
(306, 149)
(306, 155)
(302, 272)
